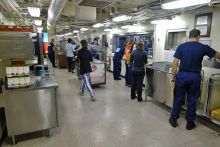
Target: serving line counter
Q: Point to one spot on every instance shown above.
(34, 108)
(208, 105)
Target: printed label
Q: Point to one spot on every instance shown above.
(118, 49)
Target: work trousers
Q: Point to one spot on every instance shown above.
(186, 83)
(126, 73)
(137, 79)
(71, 64)
(86, 84)
(51, 56)
(116, 68)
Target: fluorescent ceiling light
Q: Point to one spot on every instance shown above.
(39, 29)
(158, 21)
(135, 24)
(121, 18)
(98, 25)
(70, 33)
(125, 26)
(183, 3)
(75, 31)
(57, 35)
(106, 30)
(38, 22)
(84, 29)
(75, 36)
(35, 12)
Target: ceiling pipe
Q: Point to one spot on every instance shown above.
(54, 11)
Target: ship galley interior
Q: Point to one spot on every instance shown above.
(110, 73)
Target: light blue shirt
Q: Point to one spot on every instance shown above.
(69, 49)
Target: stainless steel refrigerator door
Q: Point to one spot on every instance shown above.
(30, 110)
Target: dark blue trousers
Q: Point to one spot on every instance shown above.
(51, 56)
(186, 83)
(127, 74)
(116, 68)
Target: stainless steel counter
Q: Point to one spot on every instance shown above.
(31, 109)
(158, 86)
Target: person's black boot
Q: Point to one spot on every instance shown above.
(190, 125)
(173, 122)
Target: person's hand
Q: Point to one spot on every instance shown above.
(172, 80)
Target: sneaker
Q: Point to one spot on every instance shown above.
(173, 122)
(190, 125)
(93, 98)
(81, 94)
(73, 72)
(126, 84)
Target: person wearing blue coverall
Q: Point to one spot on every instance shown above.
(119, 53)
(51, 52)
(188, 79)
(77, 46)
(147, 42)
(94, 53)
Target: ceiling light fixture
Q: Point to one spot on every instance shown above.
(121, 18)
(159, 21)
(183, 3)
(84, 29)
(39, 29)
(66, 34)
(75, 36)
(125, 26)
(75, 31)
(98, 25)
(70, 33)
(34, 12)
(38, 22)
(107, 30)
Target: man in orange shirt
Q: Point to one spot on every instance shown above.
(127, 53)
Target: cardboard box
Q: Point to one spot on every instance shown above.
(8, 71)
(27, 80)
(216, 113)
(14, 70)
(16, 81)
(10, 82)
(20, 70)
(21, 81)
(26, 70)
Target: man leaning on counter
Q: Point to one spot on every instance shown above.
(188, 79)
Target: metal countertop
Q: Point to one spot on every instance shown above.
(48, 82)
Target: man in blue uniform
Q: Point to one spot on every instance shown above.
(51, 52)
(188, 79)
(76, 46)
(147, 42)
(94, 52)
(119, 53)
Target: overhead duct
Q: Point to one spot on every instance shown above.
(82, 17)
(94, 3)
(56, 7)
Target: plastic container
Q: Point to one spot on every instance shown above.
(42, 73)
(216, 113)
